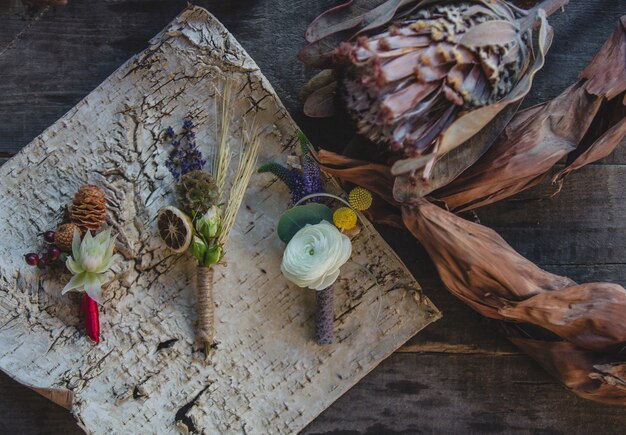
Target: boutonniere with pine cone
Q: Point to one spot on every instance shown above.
(86, 250)
(208, 200)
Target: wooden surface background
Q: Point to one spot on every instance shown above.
(458, 376)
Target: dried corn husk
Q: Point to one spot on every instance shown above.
(481, 269)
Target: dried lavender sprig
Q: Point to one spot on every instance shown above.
(185, 155)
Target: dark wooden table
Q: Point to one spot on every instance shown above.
(457, 376)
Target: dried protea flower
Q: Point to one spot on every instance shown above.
(404, 86)
(407, 74)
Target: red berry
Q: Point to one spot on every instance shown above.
(48, 236)
(32, 259)
(54, 253)
(44, 260)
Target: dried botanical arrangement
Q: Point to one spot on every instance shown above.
(147, 375)
(432, 83)
(207, 209)
(86, 251)
(317, 239)
(575, 331)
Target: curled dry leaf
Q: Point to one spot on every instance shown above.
(481, 269)
(587, 121)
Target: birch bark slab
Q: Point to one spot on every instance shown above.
(267, 375)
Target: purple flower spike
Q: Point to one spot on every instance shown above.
(185, 155)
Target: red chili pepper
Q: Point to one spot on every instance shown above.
(92, 322)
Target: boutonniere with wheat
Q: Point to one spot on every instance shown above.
(209, 195)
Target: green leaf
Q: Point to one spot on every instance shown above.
(298, 217)
(198, 248)
(213, 255)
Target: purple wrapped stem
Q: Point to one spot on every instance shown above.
(324, 316)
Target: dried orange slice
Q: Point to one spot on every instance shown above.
(175, 228)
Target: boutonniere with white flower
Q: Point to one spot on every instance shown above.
(317, 239)
(91, 259)
(85, 250)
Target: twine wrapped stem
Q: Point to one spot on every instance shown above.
(204, 293)
(324, 316)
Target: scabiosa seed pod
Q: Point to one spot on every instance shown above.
(196, 192)
(410, 72)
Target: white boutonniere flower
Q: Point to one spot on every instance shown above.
(91, 258)
(314, 256)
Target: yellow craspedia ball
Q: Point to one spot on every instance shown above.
(360, 199)
(344, 218)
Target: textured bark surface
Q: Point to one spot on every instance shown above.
(267, 375)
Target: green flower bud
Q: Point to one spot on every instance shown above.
(209, 225)
(213, 255)
(198, 248)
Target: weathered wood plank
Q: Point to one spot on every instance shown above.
(455, 394)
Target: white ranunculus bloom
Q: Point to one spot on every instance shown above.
(314, 256)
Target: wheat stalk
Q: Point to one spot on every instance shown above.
(221, 156)
(250, 145)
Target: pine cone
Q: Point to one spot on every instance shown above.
(88, 210)
(64, 235)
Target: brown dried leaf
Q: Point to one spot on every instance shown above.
(480, 268)
(607, 71)
(534, 141)
(319, 80)
(449, 166)
(589, 315)
(321, 103)
(578, 122)
(375, 177)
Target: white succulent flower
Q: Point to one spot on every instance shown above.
(90, 259)
(314, 256)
